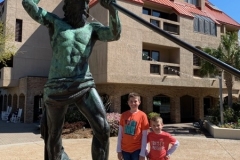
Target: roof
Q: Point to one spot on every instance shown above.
(190, 10)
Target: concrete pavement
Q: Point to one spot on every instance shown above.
(23, 142)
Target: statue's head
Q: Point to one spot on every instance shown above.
(76, 12)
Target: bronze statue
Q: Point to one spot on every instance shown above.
(70, 81)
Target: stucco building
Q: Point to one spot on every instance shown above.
(163, 73)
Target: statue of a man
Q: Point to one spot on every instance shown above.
(70, 81)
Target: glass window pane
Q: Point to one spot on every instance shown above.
(207, 27)
(154, 22)
(161, 104)
(146, 55)
(155, 55)
(195, 21)
(156, 13)
(146, 11)
(201, 25)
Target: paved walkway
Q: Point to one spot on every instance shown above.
(23, 142)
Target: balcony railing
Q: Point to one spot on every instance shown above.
(167, 25)
(160, 68)
(172, 28)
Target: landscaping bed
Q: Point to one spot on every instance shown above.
(225, 133)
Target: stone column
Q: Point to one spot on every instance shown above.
(198, 108)
(175, 109)
(116, 104)
(149, 105)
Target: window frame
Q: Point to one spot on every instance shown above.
(150, 55)
(18, 30)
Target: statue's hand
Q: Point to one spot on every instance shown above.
(107, 4)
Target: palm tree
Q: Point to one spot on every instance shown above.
(228, 52)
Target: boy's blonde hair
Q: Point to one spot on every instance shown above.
(134, 95)
(157, 118)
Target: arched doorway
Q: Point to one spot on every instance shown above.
(161, 104)
(22, 105)
(124, 103)
(1, 103)
(207, 103)
(187, 108)
(37, 108)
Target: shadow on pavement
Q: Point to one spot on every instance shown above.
(18, 127)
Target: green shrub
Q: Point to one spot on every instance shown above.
(231, 116)
(214, 114)
(74, 115)
(152, 114)
(113, 121)
(228, 115)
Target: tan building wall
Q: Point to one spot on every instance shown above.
(117, 67)
(26, 78)
(127, 72)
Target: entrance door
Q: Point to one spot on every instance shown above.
(37, 107)
(187, 109)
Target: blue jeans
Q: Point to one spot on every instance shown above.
(131, 156)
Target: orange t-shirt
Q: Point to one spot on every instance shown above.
(133, 124)
(159, 144)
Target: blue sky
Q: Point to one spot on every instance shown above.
(230, 8)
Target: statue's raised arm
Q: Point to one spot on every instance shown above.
(113, 31)
(37, 13)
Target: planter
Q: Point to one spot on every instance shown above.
(225, 133)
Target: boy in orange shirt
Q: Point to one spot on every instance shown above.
(132, 134)
(159, 141)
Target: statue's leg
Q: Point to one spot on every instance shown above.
(55, 120)
(92, 108)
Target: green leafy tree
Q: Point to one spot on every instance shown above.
(7, 46)
(228, 52)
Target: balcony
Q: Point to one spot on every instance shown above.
(164, 69)
(170, 26)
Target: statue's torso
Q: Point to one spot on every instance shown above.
(71, 50)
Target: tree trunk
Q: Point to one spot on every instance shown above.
(229, 85)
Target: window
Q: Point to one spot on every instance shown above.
(160, 14)
(171, 27)
(196, 60)
(146, 55)
(204, 25)
(196, 72)
(150, 55)
(171, 70)
(18, 30)
(154, 22)
(156, 13)
(194, 2)
(161, 104)
(154, 68)
(146, 11)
